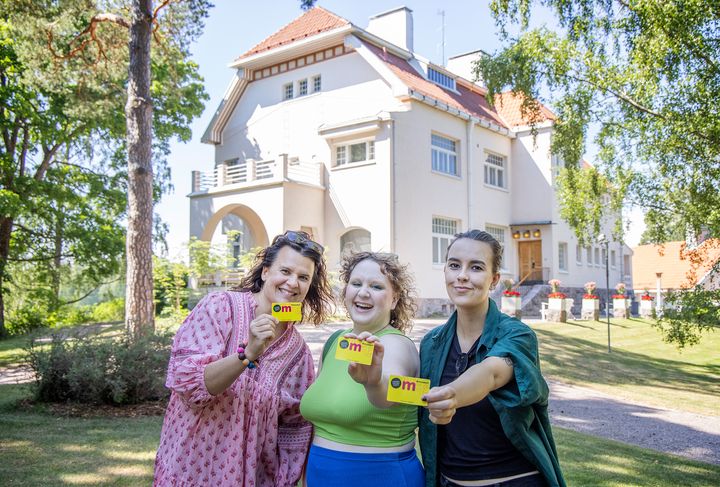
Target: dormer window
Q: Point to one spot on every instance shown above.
(441, 79)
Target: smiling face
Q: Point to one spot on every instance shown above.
(369, 297)
(286, 280)
(469, 275)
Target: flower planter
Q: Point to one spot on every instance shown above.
(590, 309)
(512, 305)
(620, 308)
(557, 310)
(646, 308)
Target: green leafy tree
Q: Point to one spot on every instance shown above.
(646, 74)
(64, 72)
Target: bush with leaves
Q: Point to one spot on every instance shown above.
(97, 370)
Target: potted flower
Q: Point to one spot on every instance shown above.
(620, 302)
(590, 302)
(557, 306)
(511, 302)
(646, 305)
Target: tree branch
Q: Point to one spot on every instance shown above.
(90, 292)
(90, 32)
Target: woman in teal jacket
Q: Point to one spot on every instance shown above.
(486, 422)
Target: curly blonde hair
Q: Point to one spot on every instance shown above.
(400, 278)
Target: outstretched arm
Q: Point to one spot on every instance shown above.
(471, 387)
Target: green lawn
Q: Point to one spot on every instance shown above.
(41, 450)
(641, 366)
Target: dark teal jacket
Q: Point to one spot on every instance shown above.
(521, 404)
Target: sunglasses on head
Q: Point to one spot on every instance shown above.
(303, 240)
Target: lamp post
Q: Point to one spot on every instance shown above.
(603, 240)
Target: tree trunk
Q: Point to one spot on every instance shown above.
(57, 261)
(139, 304)
(6, 224)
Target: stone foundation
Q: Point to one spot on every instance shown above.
(556, 315)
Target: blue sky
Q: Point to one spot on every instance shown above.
(234, 26)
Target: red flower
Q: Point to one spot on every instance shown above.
(557, 295)
(646, 297)
(590, 296)
(619, 296)
(513, 294)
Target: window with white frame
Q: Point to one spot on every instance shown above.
(604, 258)
(497, 232)
(443, 230)
(288, 91)
(563, 256)
(302, 87)
(578, 254)
(495, 170)
(441, 79)
(317, 83)
(613, 260)
(352, 153)
(588, 251)
(597, 257)
(444, 155)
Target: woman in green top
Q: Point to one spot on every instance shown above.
(360, 439)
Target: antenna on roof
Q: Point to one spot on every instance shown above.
(442, 43)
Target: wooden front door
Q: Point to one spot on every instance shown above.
(530, 260)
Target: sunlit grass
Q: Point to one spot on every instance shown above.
(641, 367)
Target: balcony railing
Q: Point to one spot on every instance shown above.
(250, 172)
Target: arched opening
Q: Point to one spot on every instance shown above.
(356, 240)
(238, 226)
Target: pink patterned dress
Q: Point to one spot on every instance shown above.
(252, 434)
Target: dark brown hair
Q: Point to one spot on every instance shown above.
(482, 236)
(400, 278)
(319, 302)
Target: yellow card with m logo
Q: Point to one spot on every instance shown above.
(354, 350)
(287, 311)
(407, 390)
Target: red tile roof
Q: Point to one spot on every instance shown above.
(468, 100)
(312, 22)
(509, 106)
(673, 263)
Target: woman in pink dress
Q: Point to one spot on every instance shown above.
(237, 375)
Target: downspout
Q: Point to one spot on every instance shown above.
(468, 157)
(393, 203)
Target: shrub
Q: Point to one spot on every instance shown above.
(27, 319)
(113, 310)
(101, 370)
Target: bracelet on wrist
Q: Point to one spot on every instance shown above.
(250, 364)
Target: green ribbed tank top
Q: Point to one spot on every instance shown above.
(340, 411)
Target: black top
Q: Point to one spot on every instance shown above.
(473, 445)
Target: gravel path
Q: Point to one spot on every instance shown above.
(581, 409)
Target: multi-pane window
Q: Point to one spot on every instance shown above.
(588, 251)
(288, 91)
(597, 257)
(441, 79)
(444, 155)
(604, 258)
(497, 232)
(578, 254)
(613, 259)
(562, 256)
(443, 230)
(317, 83)
(495, 170)
(350, 153)
(302, 87)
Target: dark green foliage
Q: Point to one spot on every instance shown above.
(98, 370)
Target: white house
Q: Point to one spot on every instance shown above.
(348, 134)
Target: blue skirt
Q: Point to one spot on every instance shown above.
(330, 468)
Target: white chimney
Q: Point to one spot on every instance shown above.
(462, 64)
(395, 26)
